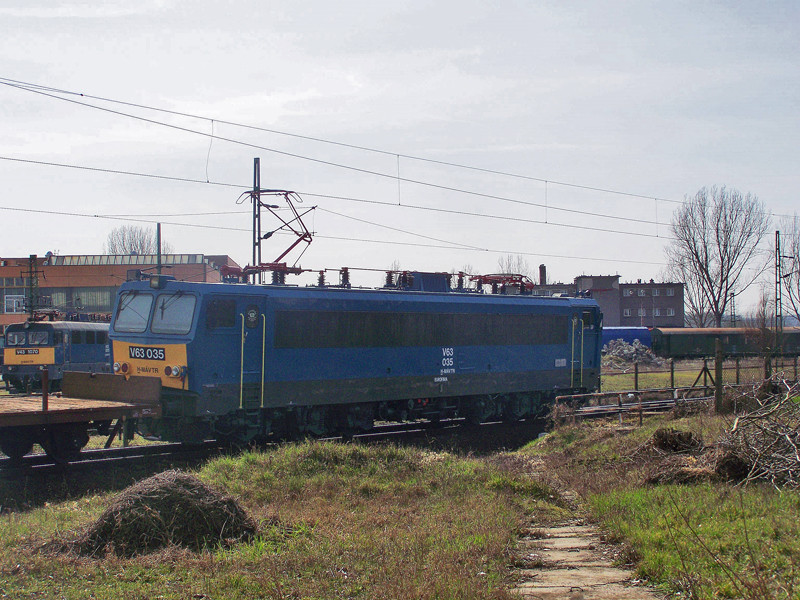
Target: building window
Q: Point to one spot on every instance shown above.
(670, 292)
(656, 292)
(15, 304)
(642, 312)
(642, 292)
(670, 312)
(626, 312)
(629, 292)
(656, 312)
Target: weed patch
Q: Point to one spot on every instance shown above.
(329, 521)
(664, 494)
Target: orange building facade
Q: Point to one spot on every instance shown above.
(83, 287)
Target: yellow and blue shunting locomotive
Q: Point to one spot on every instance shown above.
(55, 346)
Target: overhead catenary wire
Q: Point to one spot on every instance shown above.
(211, 136)
(514, 219)
(41, 91)
(329, 237)
(33, 87)
(518, 219)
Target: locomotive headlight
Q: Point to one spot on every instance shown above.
(174, 371)
(120, 367)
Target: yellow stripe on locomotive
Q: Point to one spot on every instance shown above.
(165, 361)
(29, 356)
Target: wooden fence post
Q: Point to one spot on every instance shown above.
(636, 375)
(705, 376)
(672, 373)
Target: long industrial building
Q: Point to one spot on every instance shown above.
(84, 286)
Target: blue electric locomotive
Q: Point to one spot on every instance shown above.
(241, 362)
(56, 346)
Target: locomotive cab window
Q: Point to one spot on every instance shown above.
(15, 338)
(133, 311)
(77, 337)
(90, 337)
(37, 338)
(173, 313)
(588, 321)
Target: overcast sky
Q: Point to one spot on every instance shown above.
(649, 99)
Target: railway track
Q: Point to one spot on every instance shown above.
(601, 404)
(450, 433)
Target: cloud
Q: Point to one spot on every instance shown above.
(82, 10)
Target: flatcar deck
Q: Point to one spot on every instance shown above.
(18, 411)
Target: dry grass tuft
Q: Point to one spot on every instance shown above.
(668, 439)
(168, 509)
(681, 469)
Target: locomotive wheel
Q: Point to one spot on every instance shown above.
(63, 444)
(515, 407)
(312, 420)
(481, 410)
(16, 442)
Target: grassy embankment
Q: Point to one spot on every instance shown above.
(336, 521)
(704, 540)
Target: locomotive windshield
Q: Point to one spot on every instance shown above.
(173, 313)
(15, 338)
(133, 311)
(37, 338)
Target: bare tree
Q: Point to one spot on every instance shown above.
(514, 264)
(717, 233)
(760, 318)
(133, 239)
(697, 313)
(790, 263)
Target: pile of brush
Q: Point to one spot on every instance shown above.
(767, 437)
(168, 509)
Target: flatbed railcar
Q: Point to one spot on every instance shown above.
(60, 423)
(56, 346)
(241, 362)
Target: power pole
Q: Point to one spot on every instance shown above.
(158, 248)
(778, 296)
(256, 198)
(32, 297)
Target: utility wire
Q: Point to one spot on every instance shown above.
(331, 197)
(329, 237)
(486, 216)
(457, 244)
(35, 87)
(120, 172)
(393, 177)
